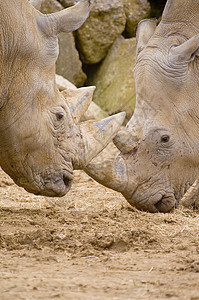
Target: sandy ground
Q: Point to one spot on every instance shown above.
(91, 244)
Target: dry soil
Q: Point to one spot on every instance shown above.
(91, 244)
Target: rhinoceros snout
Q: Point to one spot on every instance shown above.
(67, 181)
(154, 204)
(58, 187)
(165, 204)
(54, 185)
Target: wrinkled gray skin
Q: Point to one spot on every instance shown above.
(41, 141)
(159, 149)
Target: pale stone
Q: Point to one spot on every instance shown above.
(105, 23)
(114, 81)
(50, 6)
(94, 112)
(67, 3)
(63, 83)
(135, 11)
(68, 63)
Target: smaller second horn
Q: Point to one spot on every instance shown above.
(78, 100)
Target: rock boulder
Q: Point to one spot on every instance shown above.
(114, 81)
(135, 11)
(105, 23)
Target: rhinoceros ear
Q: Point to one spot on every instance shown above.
(186, 52)
(144, 32)
(66, 20)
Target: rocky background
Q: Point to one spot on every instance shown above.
(102, 51)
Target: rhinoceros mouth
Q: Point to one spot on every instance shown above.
(67, 181)
(58, 186)
(54, 185)
(166, 204)
(160, 202)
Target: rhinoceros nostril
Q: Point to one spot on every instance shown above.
(67, 182)
(165, 204)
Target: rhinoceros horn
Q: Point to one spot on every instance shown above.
(111, 173)
(125, 141)
(79, 100)
(66, 20)
(97, 135)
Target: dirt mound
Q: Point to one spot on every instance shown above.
(91, 244)
(77, 232)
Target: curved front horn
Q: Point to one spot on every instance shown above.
(111, 173)
(97, 135)
(66, 20)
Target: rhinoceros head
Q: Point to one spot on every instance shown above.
(41, 140)
(158, 157)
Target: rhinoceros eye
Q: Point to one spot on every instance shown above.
(59, 116)
(165, 138)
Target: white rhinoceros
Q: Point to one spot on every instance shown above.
(41, 141)
(159, 149)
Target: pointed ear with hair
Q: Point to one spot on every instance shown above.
(186, 52)
(144, 32)
(66, 20)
